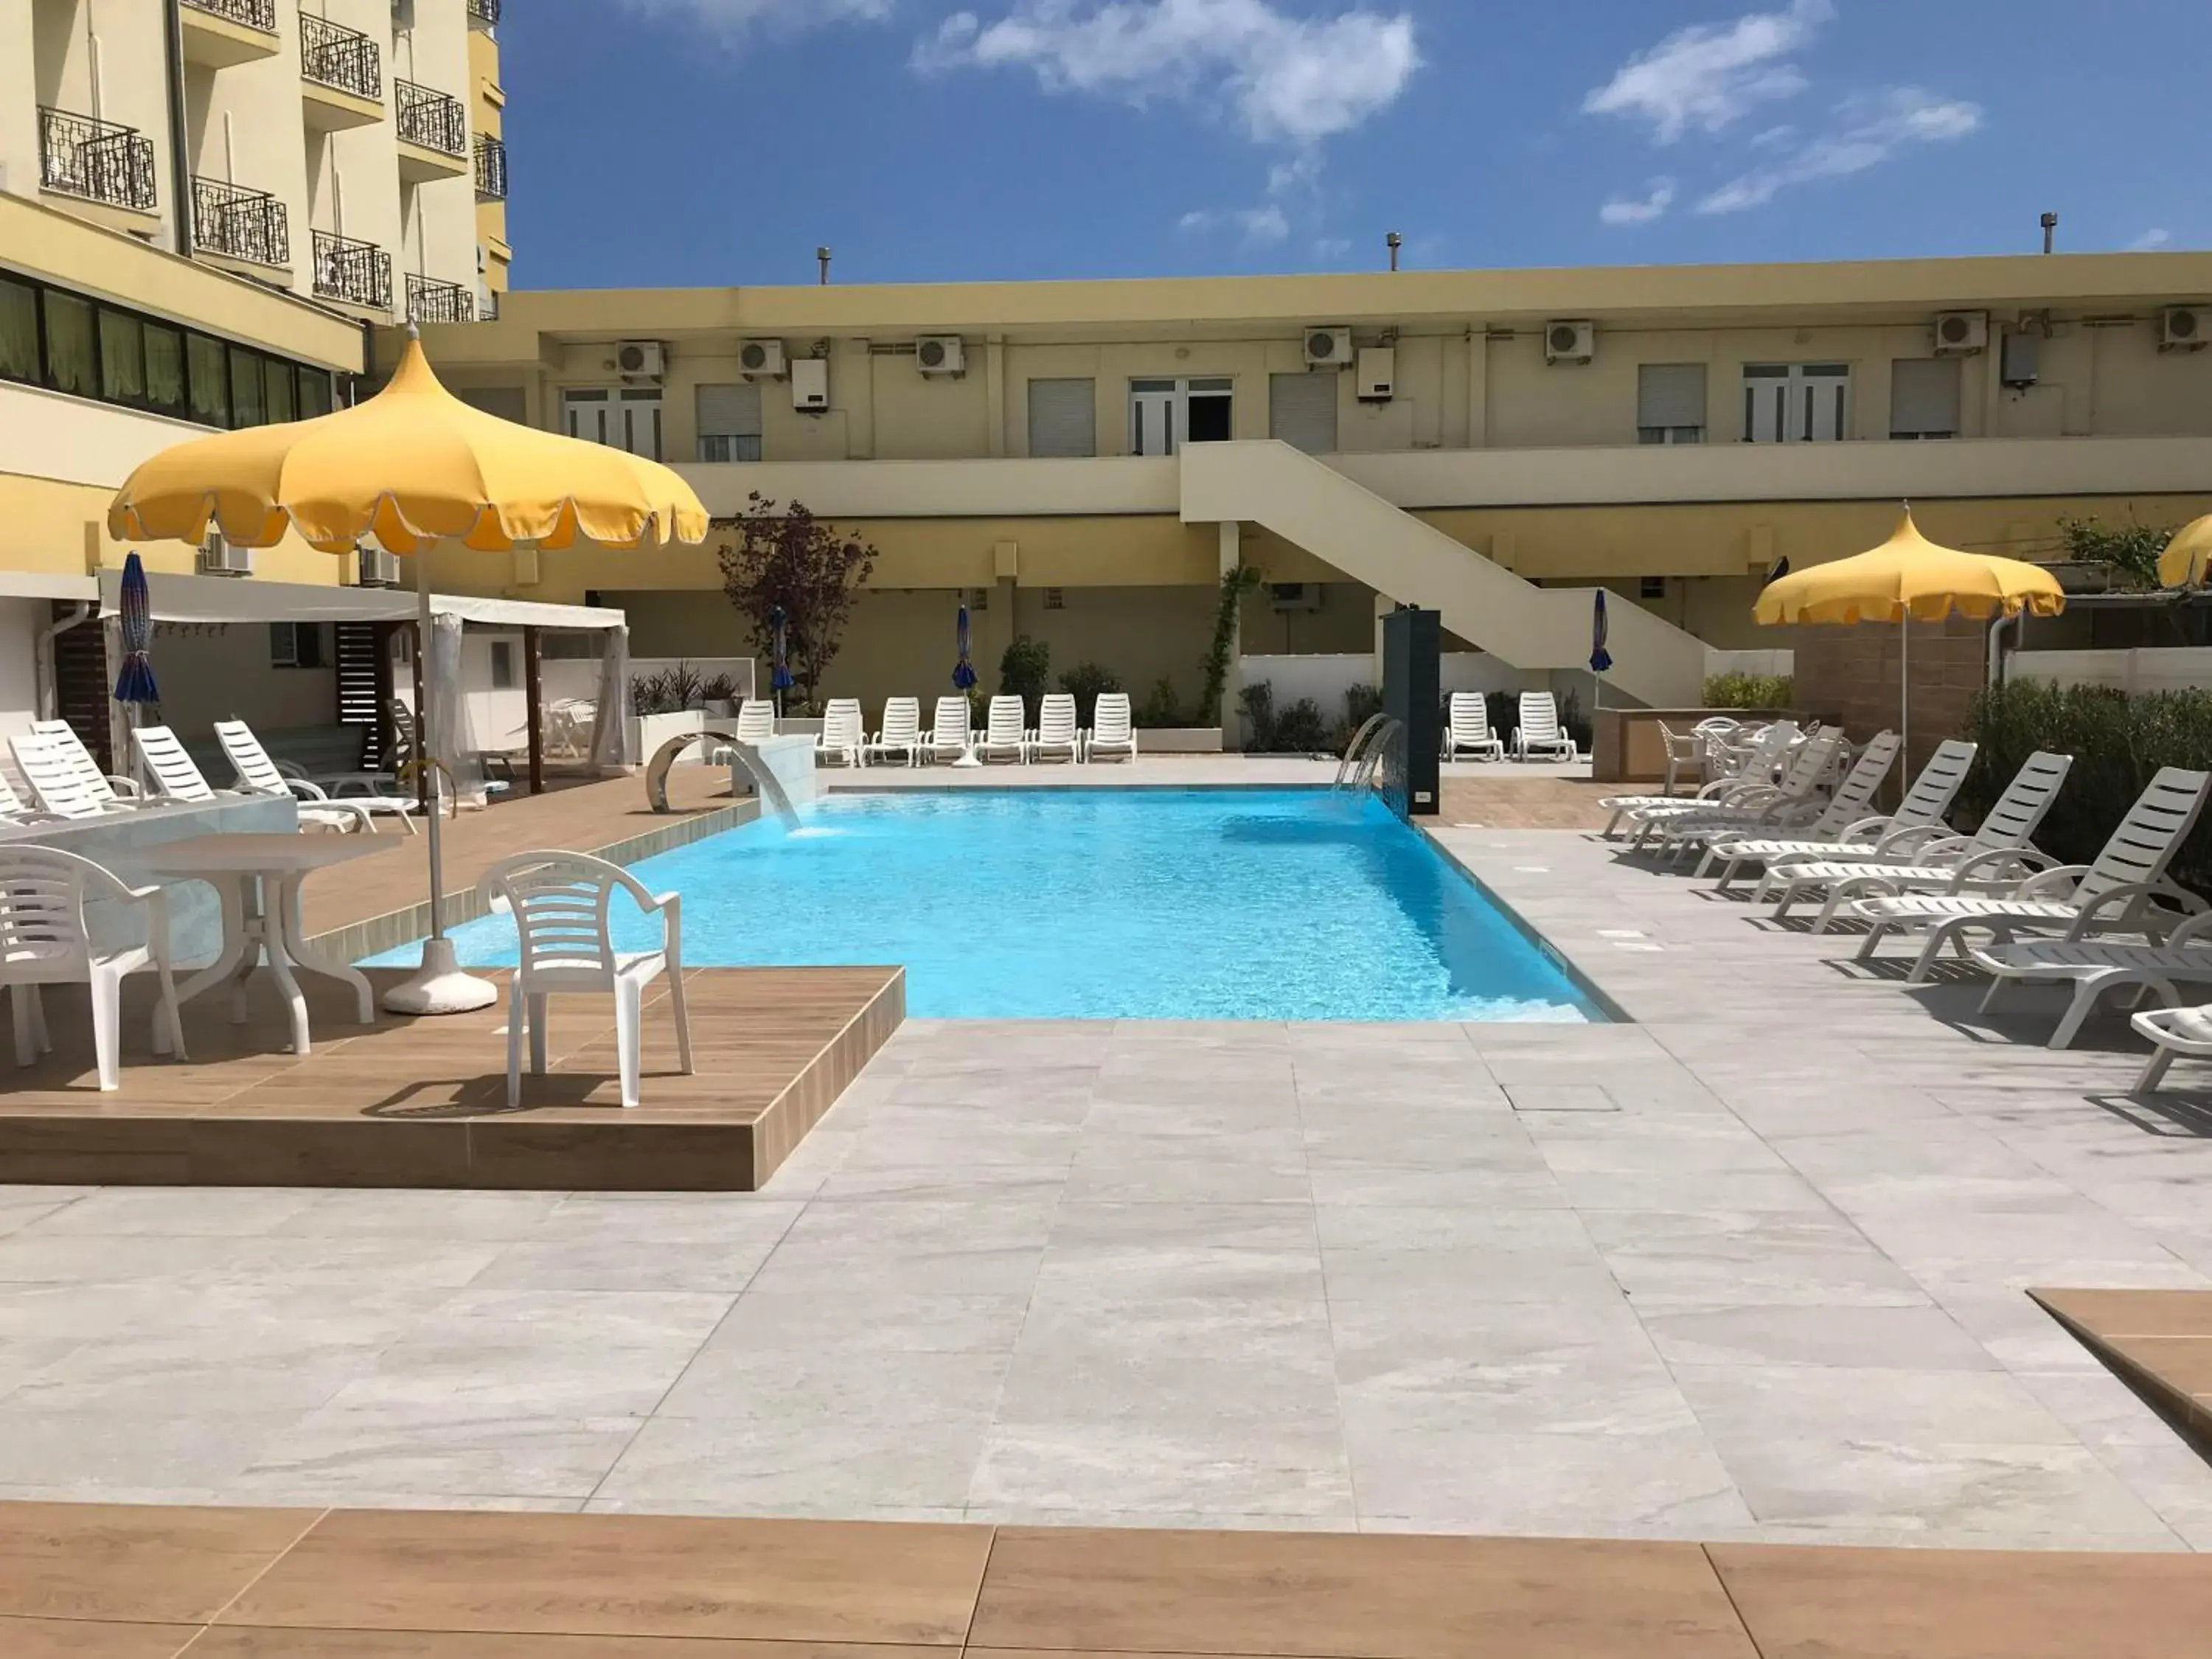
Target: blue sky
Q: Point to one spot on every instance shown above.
(677, 141)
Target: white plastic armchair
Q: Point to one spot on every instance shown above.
(1059, 736)
(560, 902)
(902, 731)
(261, 774)
(950, 732)
(45, 940)
(1112, 734)
(1468, 728)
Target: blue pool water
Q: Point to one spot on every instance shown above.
(1105, 904)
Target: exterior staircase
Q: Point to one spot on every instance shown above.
(1307, 503)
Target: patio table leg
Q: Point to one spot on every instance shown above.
(236, 961)
(280, 960)
(296, 944)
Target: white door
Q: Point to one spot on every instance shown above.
(586, 414)
(1154, 407)
(1795, 403)
(639, 413)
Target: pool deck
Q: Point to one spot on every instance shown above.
(1754, 1268)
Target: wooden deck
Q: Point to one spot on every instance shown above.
(422, 1102)
(1496, 799)
(2159, 1341)
(96, 1581)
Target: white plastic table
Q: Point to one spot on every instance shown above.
(258, 877)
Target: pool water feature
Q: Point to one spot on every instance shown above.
(1105, 904)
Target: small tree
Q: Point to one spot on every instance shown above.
(2130, 549)
(1025, 671)
(784, 558)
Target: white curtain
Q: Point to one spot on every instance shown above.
(610, 724)
(451, 732)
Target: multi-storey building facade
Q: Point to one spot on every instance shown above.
(1080, 461)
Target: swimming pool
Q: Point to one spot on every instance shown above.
(1105, 904)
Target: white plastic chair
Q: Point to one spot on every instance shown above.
(177, 777)
(948, 736)
(1467, 730)
(1059, 737)
(45, 940)
(902, 733)
(1113, 733)
(1541, 735)
(756, 721)
(560, 902)
(259, 773)
(842, 743)
(1005, 736)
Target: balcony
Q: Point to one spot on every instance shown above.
(352, 273)
(434, 133)
(491, 168)
(484, 13)
(431, 301)
(233, 222)
(341, 75)
(98, 162)
(221, 33)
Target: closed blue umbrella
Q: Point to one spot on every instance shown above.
(778, 679)
(134, 686)
(964, 672)
(1601, 659)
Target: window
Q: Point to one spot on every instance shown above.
(730, 422)
(314, 393)
(1210, 407)
(1924, 398)
(1302, 410)
(165, 368)
(1795, 403)
(1670, 403)
(1063, 417)
(122, 357)
(19, 331)
(502, 664)
(277, 377)
(1165, 414)
(72, 347)
(249, 393)
(1651, 587)
(297, 645)
(207, 368)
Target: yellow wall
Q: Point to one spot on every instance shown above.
(486, 104)
(62, 528)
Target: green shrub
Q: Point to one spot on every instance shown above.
(1084, 683)
(1160, 709)
(1023, 673)
(1255, 706)
(1301, 729)
(1361, 704)
(2130, 551)
(2118, 742)
(1750, 691)
(668, 691)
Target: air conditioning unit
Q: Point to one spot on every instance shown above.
(378, 567)
(940, 354)
(1961, 333)
(762, 360)
(810, 385)
(639, 360)
(1328, 348)
(219, 558)
(1378, 374)
(1294, 596)
(2185, 328)
(1570, 340)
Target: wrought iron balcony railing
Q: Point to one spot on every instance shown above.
(96, 159)
(336, 56)
(432, 119)
(241, 223)
(485, 12)
(359, 273)
(432, 300)
(491, 167)
(253, 13)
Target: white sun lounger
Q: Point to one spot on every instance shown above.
(1467, 730)
(178, 778)
(1761, 758)
(113, 791)
(1059, 737)
(57, 783)
(948, 739)
(2096, 967)
(1541, 735)
(258, 773)
(2117, 894)
(1005, 737)
(1792, 805)
(842, 742)
(14, 809)
(902, 733)
(1112, 735)
(756, 721)
(1738, 808)
(1922, 808)
(2175, 1033)
(1909, 860)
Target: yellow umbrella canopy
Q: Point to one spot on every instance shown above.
(1909, 576)
(412, 465)
(2188, 556)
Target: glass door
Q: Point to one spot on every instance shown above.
(1153, 406)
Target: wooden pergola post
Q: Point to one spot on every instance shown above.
(533, 701)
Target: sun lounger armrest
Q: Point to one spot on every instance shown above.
(2015, 866)
(2135, 893)
(302, 789)
(1866, 829)
(1923, 842)
(2196, 927)
(126, 787)
(2057, 882)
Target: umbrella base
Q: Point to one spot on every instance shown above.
(967, 758)
(439, 987)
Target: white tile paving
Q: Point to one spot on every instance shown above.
(1752, 1268)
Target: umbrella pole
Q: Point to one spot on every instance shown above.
(439, 986)
(1905, 691)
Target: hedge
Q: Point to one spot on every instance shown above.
(2119, 743)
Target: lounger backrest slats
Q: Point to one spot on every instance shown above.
(841, 724)
(11, 803)
(1056, 719)
(1849, 804)
(1470, 716)
(756, 721)
(2150, 835)
(175, 774)
(1937, 786)
(951, 728)
(1540, 717)
(2019, 811)
(249, 759)
(72, 747)
(1808, 766)
(1008, 722)
(1110, 720)
(902, 720)
(54, 779)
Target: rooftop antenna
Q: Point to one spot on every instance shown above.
(1394, 242)
(822, 256)
(2050, 232)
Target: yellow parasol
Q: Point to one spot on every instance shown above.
(413, 466)
(1910, 578)
(2187, 556)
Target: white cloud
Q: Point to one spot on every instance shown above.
(1261, 227)
(2150, 241)
(1639, 210)
(734, 19)
(1330, 249)
(1868, 132)
(1290, 79)
(1712, 75)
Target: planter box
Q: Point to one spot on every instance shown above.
(645, 733)
(1178, 740)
